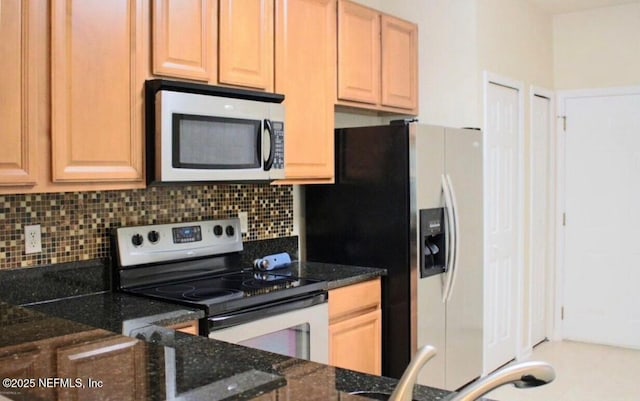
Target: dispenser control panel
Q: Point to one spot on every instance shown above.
(433, 252)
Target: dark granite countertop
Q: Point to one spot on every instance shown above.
(335, 275)
(173, 364)
(117, 311)
(110, 310)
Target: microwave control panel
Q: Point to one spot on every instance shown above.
(278, 152)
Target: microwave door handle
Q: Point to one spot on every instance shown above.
(272, 140)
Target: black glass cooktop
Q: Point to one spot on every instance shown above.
(233, 290)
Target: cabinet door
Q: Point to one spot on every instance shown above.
(246, 43)
(306, 75)
(118, 362)
(358, 53)
(355, 330)
(184, 38)
(99, 53)
(25, 362)
(191, 327)
(17, 94)
(399, 63)
(356, 343)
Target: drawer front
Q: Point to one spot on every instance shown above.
(355, 299)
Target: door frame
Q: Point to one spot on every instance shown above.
(488, 79)
(561, 97)
(550, 279)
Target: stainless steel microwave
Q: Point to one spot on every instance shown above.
(199, 132)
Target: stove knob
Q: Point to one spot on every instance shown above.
(137, 240)
(153, 236)
(217, 230)
(230, 231)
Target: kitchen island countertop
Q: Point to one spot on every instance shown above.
(188, 366)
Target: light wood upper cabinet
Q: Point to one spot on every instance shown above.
(99, 64)
(399, 63)
(359, 53)
(377, 60)
(222, 42)
(246, 43)
(355, 327)
(184, 39)
(18, 94)
(306, 75)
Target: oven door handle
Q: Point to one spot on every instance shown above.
(270, 309)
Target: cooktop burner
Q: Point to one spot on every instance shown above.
(219, 294)
(225, 287)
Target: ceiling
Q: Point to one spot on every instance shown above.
(566, 6)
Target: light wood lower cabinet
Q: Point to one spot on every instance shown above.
(26, 362)
(190, 327)
(116, 365)
(116, 361)
(355, 327)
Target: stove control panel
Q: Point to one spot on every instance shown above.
(167, 242)
(182, 235)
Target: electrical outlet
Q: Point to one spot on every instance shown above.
(32, 239)
(244, 222)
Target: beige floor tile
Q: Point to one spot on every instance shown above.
(584, 372)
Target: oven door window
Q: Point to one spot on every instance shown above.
(293, 342)
(205, 142)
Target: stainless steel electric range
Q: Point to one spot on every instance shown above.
(198, 264)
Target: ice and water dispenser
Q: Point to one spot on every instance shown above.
(433, 252)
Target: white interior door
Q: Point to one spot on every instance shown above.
(602, 205)
(502, 225)
(541, 214)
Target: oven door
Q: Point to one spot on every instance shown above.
(300, 332)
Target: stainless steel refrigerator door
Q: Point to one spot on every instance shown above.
(454, 327)
(431, 311)
(464, 311)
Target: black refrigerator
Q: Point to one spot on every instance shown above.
(393, 206)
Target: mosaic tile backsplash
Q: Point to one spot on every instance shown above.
(75, 226)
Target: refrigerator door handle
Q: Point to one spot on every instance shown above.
(450, 239)
(456, 238)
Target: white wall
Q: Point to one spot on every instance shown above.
(449, 78)
(597, 48)
(515, 40)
